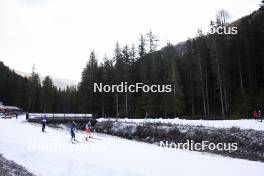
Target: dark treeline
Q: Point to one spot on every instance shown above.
(212, 75)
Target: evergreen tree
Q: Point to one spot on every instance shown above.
(132, 54)
(141, 46)
(108, 108)
(173, 103)
(89, 77)
(33, 92)
(152, 39)
(47, 95)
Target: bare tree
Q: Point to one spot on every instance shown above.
(222, 17)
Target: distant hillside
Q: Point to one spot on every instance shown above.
(58, 82)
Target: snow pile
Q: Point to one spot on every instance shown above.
(243, 124)
(106, 155)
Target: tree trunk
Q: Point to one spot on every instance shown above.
(240, 75)
(222, 101)
(207, 94)
(103, 107)
(126, 106)
(226, 100)
(219, 80)
(202, 82)
(117, 113)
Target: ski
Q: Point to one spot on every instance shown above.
(95, 138)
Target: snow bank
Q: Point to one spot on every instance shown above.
(243, 124)
(110, 156)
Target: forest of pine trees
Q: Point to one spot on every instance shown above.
(212, 76)
(34, 96)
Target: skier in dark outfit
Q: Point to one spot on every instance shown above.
(43, 122)
(72, 130)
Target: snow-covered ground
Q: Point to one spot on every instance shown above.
(243, 124)
(108, 155)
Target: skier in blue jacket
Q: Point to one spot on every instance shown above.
(72, 130)
(43, 122)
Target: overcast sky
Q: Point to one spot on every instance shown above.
(58, 35)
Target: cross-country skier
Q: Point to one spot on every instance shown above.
(43, 122)
(72, 130)
(260, 116)
(88, 130)
(255, 115)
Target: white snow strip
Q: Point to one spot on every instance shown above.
(243, 124)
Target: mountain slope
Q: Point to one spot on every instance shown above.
(58, 82)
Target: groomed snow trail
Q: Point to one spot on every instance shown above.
(23, 143)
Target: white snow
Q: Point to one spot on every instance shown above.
(243, 123)
(109, 156)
